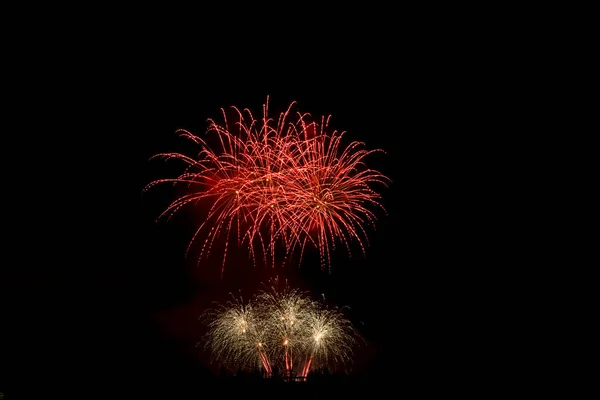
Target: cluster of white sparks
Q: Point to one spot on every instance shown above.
(283, 329)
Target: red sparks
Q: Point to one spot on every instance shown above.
(287, 181)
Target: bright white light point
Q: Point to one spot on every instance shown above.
(285, 342)
(236, 192)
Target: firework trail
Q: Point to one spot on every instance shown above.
(280, 328)
(286, 314)
(286, 182)
(238, 335)
(330, 338)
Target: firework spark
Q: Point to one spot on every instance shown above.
(237, 335)
(285, 181)
(283, 329)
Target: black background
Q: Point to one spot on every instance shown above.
(102, 298)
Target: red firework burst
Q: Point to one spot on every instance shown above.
(287, 181)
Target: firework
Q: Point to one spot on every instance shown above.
(282, 329)
(274, 184)
(238, 335)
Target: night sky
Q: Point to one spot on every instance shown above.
(113, 303)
